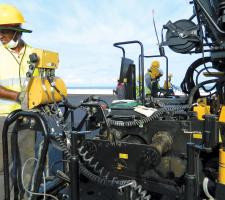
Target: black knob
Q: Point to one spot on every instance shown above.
(33, 58)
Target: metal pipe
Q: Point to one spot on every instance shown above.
(12, 117)
(115, 45)
(74, 169)
(139, 75)
(141, 64)
(192, 17)
(209, 17)
(190, 178)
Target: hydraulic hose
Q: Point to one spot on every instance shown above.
(104, 179)
(114, 182)
(60, 141)
(101, 180)
(188, 82)
(207, 183)
(195, 89)
(146, 120)
(142, 194)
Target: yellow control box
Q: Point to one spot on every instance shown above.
(40, 91)
(47, 59)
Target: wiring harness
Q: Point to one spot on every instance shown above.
(139, 123)
(100, 175)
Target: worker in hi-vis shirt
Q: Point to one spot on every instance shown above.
(152, 78)
(14, 57)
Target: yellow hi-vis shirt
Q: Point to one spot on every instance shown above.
(13, 69)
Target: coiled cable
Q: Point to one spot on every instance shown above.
(188, 83)
(60, 141)
(89, 160)
(103, 181)
(103, 176)
(142, 194)
(155, 115)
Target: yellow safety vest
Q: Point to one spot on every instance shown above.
(13, 69)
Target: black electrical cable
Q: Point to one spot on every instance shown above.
(203, 87)
(146, 120)
(69, 105)
(202, 37)
(55, 163)
(65, 100)
(95, 178)
(188, 82)
(103, 181)
(95, 98)
(114, 182)
(63, 145)
(196, 88)
(84, 170)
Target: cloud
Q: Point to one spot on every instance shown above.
(83, 32)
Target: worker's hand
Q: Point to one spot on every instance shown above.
(20, 97)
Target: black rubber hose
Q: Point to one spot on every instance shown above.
(103, 181)
(197, 77)
(146, 120)
(87, 173)
(188, 82)
(69, 105)
(196, 88)
(60, 141)
(114, 182)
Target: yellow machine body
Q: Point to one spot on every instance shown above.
(221, 177)
(41, 92)
(47, 59)
(201, 110)
(222, 115)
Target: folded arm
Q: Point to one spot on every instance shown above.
(8, 94)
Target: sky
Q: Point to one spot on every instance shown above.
(83, 32)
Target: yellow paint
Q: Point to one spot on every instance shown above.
(123, 156)
(201, 110)
(197, 136)
(40, 91)
(220, 138)
(221, 177)
(47, 59)
(222, 120)
(222, 115)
